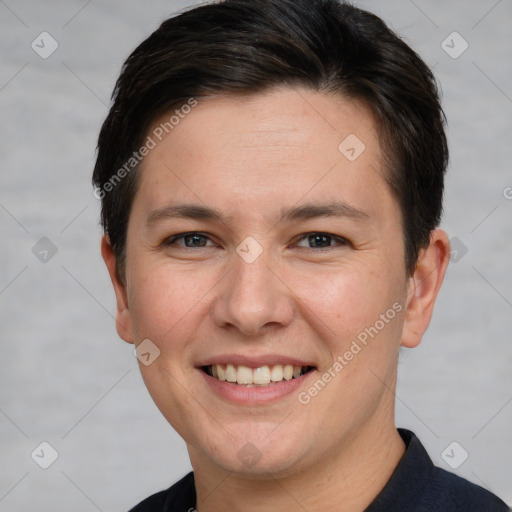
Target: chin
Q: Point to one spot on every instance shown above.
(255, 456)
(267, 467)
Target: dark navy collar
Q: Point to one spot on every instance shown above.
(409, 479)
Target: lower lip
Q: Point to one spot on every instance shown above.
(254, 395)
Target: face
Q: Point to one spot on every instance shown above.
(260, 251)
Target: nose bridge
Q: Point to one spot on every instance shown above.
(252, 297)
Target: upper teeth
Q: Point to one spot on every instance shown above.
(262, 376)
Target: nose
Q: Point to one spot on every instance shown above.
(253, 298)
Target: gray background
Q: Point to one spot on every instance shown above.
(65, 376)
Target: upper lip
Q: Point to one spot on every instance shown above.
(253, 361)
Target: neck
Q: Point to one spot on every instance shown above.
(353, 476)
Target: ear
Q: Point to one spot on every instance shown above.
(423, 287)
(123, 317)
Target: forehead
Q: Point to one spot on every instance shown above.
(280, 116)
(265, 149)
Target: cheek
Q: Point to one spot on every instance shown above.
(164, 300)
(348, 299)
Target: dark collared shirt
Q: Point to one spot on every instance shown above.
(416, 485)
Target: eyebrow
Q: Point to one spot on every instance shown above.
(303, 212)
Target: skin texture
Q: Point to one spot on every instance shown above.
(250, 158)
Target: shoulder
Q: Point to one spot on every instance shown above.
(180, 497)
(418, 486)
(458, 494)
(441, 490)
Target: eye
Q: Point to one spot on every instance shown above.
(192, 240)
(196, 240)
(321, 241)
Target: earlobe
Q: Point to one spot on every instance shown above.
(424, 286)
(123, 316)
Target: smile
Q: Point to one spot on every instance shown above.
(266, 375)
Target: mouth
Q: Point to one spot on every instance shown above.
(263, 376)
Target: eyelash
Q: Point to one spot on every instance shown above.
(341, 241)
